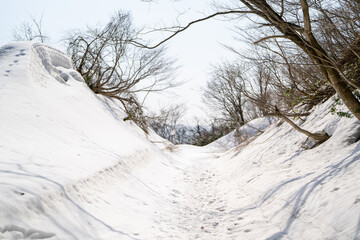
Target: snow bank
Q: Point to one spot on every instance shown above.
(275, 188)
(242, 134)
(70, 167)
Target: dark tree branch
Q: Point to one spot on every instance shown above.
(189, 25)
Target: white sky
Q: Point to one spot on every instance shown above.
(195, 49)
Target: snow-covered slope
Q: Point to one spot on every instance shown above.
(70, 167)
(277, 188)
(244, 133)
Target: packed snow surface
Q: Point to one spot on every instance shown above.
(241, 135)
(71, 168)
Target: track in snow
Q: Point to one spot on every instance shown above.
(206, 213)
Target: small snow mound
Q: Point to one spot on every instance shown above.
(15, 232)
(235, 137)
(56, 63)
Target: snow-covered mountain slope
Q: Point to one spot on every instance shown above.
(71, 168)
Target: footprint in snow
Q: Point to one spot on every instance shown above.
(21, 53)
(176, 191)
(19, 193)
(220, 209)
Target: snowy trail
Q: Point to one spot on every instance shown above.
(217, 201)
(210, 214)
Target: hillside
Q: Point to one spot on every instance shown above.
(71, 168)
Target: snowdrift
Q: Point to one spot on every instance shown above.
(278, 187)
(70, 167)
(244, 133)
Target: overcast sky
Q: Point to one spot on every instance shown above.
(196, 48)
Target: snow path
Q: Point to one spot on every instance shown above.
(213, 203)
(204, 212)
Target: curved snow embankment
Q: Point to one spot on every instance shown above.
(245, 132)
(277, 188)
(38, 59)
(69, 165)
(56, 63)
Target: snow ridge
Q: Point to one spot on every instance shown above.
(56, 63)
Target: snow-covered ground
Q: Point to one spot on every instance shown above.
(71, 168)
(241, 135)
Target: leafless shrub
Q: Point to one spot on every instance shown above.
(30, 31)
(112, 66)
(166, 122)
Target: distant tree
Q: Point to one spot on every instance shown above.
(213, 130)
(168, 119)
(30, 31)
(224, 94)
(261, 87)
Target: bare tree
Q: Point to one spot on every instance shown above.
(224, 94)
(266, 87)
(292, 20)
(30, 31)
(113, 67)
(203, 134)
(296, 22)
(166, 120)
(289, 75)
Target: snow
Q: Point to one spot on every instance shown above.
(284, 191)
(242, 134)
(62, 147)
(71, 168)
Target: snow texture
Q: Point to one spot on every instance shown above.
(242, 134)
(71, 168)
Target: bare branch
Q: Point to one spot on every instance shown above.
(181, 29)
(269, 37)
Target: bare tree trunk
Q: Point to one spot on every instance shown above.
(316, 136)
(344, 93)
(309, 44)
